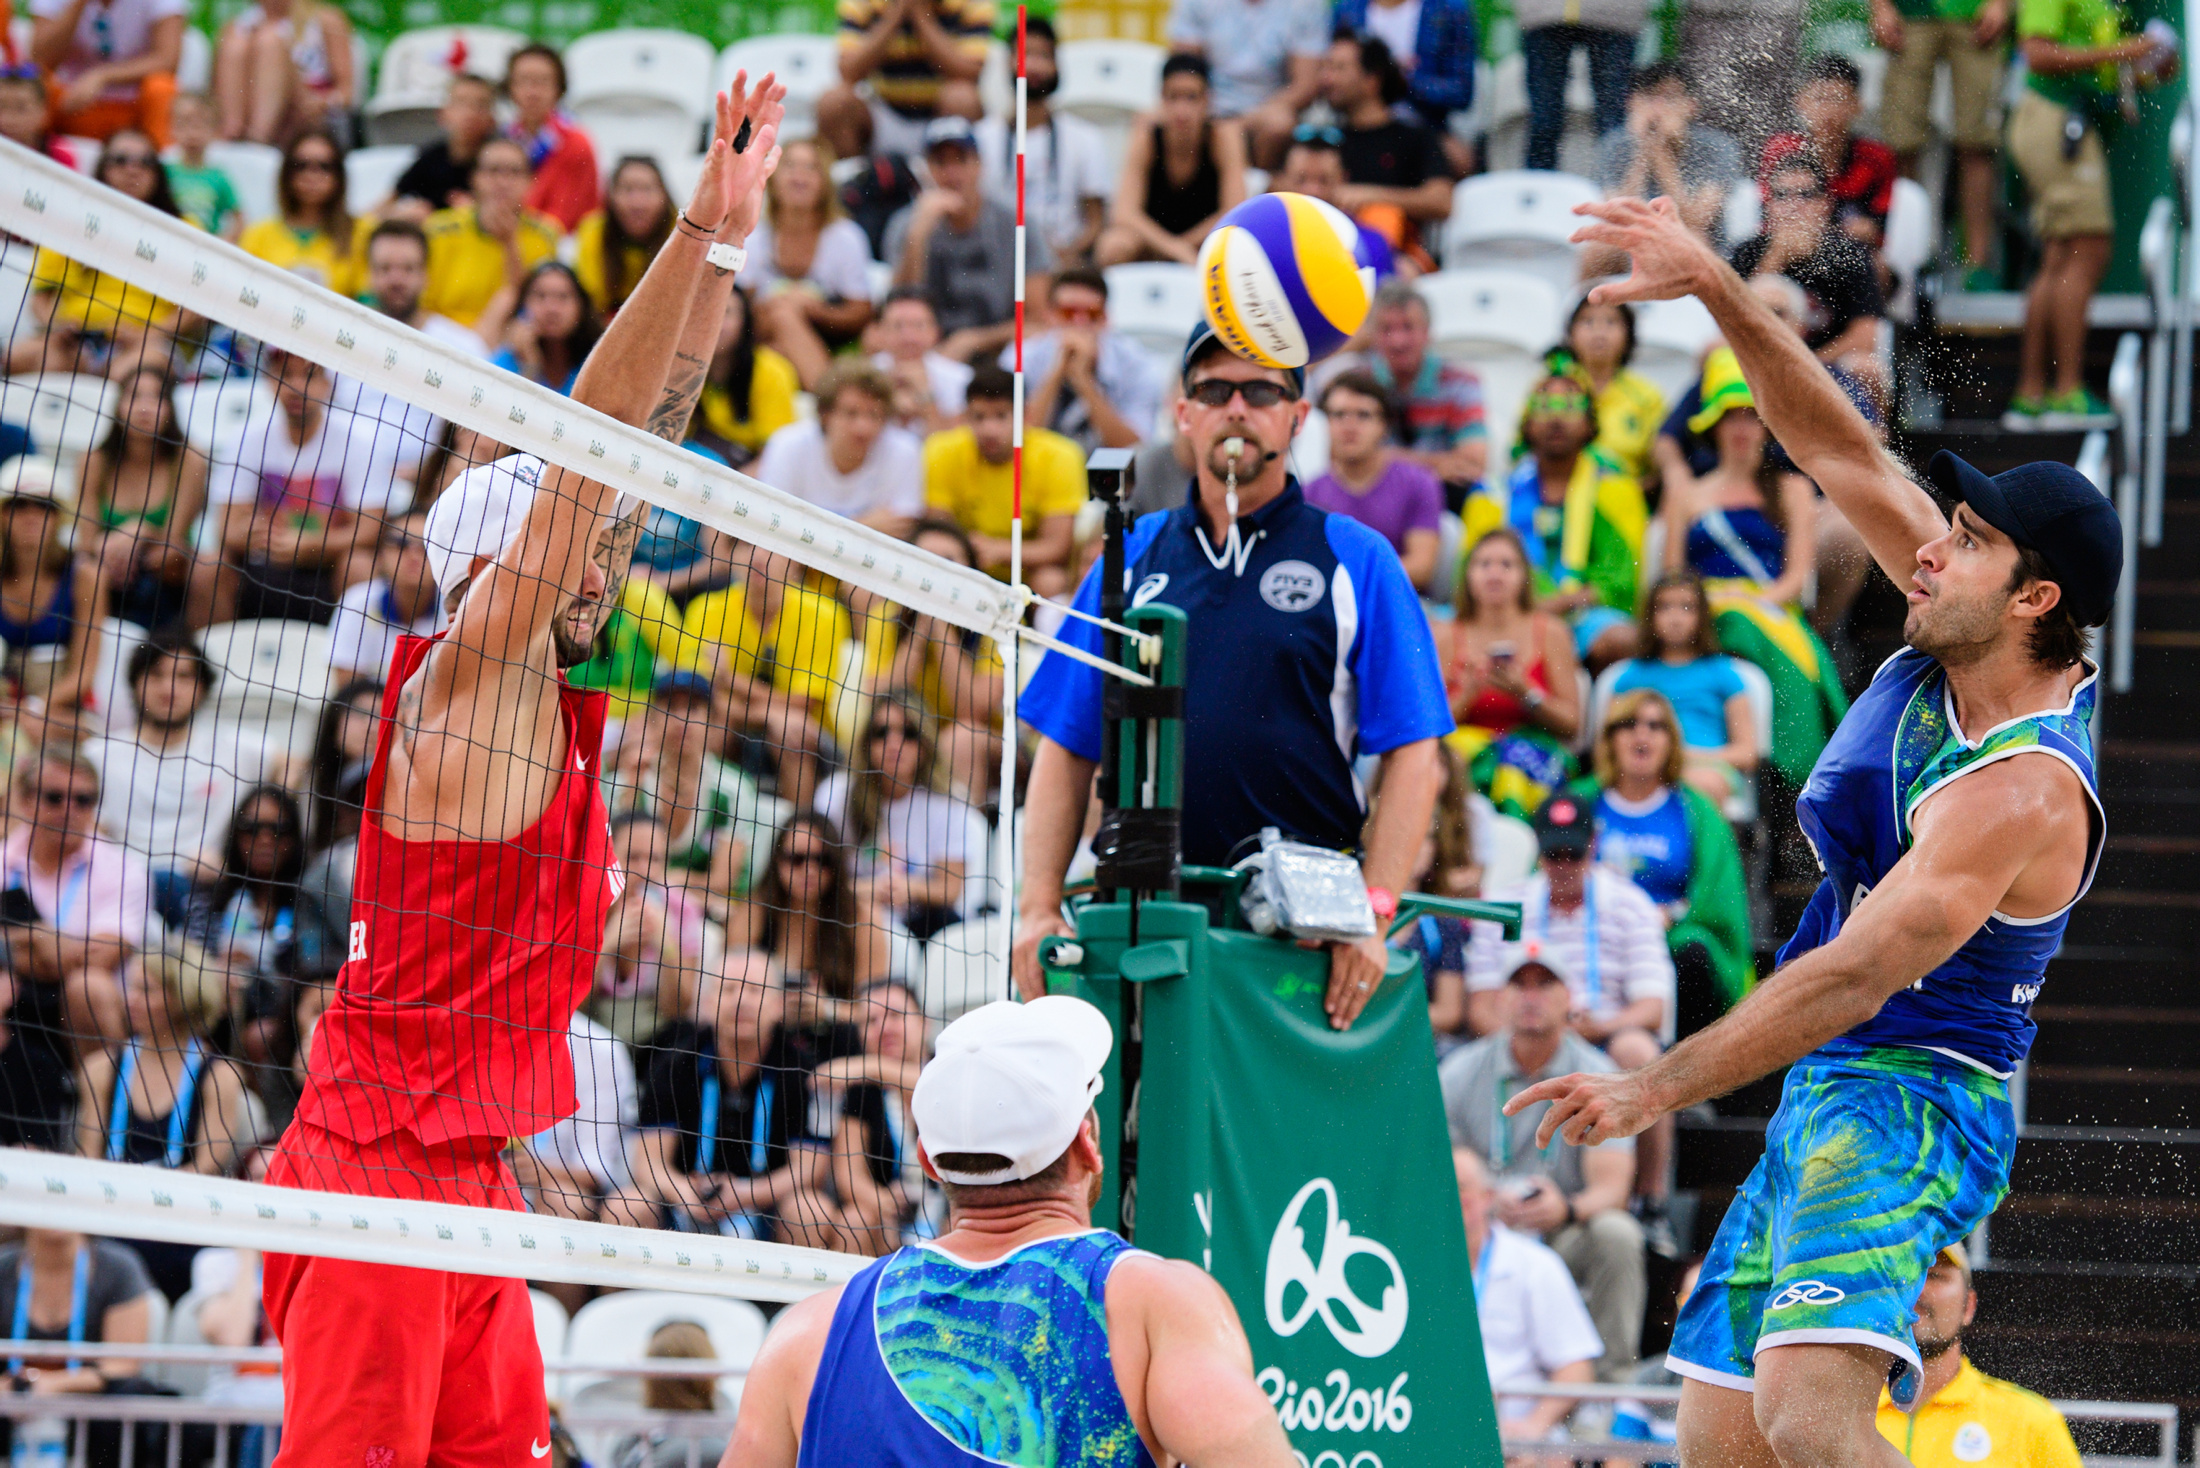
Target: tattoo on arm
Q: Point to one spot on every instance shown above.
(683, 385)
(408, 714)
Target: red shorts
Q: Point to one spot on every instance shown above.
(390, 1367)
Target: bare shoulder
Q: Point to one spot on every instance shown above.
(797, 1337)
(1159, 1289)
(2017, 792)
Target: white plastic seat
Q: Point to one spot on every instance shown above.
(618, 1327)
(195, 66)
(252, 169)
(1503, 309)
(1907, 244)
(275, 676)
(639, 89)
(183, 1330)
(1520, 219)
(1108, 81)
(110, 682)
(551, 1323)
(1671, 338)
(963, 966)
(371, 175)
(1745, 212)
(64, 412)
(214, 409)
(807, 66)
(1154, 303)
(1510, 851)
(416, 71)
(1310, 449)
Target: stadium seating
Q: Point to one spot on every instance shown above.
(195, 67)
(1500, 322)
(211, 409)
(274, 677)
(1154, 304)
(1108, 83)
(551, 1323)
(371, 175)
(65, 414)
(1745, 211)
(416, 71)
(252, 170)
(640, 91)
(183, 1330)
(808, 66)
(1908, 244)
(962, 967)
(1520, 220)
(1671, 338)
(617, 1327)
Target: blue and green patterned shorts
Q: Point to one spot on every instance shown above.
(1878, 1158)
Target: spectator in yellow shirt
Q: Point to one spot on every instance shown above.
(479, 253)
(78, 301)
(776, 646)
(613, 245)
(969, 478)
(312, 234)
(749, 392)
(1965, 1418)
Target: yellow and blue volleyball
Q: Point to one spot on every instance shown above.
(1283, 279)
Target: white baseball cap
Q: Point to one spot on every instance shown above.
(478, 516)
(1013, 1080)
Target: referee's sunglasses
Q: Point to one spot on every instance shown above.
(1216, 392)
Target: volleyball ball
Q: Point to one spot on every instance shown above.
(1283, 280)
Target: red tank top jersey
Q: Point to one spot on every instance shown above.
(467, 959)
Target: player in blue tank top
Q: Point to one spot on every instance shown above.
(1022, 1335)
(1955, 817)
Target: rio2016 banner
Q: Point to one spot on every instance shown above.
(1310, 1173)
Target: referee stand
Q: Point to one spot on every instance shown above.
(1307, 1170)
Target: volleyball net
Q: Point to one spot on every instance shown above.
(207, 555)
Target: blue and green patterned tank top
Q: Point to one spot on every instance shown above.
(1899, 744)
(933, 1362)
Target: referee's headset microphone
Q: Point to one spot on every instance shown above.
(1236, 549)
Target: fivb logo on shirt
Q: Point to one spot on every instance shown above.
(1292, 586)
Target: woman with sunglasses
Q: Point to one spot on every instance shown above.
(49, 594)
(90, 307)
(553, 331)
(311, 235)
(247, 917)
(166, 1096)
(1749, 529)
(805, 912)
(912, 837)
(139, 491)
(1672, 843)
(76, 903)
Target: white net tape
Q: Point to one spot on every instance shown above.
(62, 210)
(124, 1200)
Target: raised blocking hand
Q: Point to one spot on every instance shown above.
(1670, 260)
(729, 195)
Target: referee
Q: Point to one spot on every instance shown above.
(1307, 650)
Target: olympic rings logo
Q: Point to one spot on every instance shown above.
(1807, 1292)
(1370, 1329)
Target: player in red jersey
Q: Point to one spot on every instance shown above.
(485, 872)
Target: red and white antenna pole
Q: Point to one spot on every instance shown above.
(1011, 648)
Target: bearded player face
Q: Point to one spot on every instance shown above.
(574, 632)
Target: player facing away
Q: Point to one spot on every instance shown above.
(1023, 1334)
(1955, 816)
(485, 871)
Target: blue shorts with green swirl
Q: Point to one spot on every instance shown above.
(1878, 1158)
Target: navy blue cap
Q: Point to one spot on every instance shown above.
(2055, 510)
(1203, 335)
(681, 680)
(1564, 823)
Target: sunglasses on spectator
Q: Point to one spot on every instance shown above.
(56, 799)
(1216, 392)
(263, 828)
(804, 859)
(893, 731)
(1314, 132)
(1081, 313)
(1646, 725)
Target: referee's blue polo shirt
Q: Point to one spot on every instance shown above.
(1317, 653)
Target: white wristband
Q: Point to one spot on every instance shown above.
(727, 257)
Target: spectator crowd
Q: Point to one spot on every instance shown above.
(1633, 599)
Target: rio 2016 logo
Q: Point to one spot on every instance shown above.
(1366, 1330)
